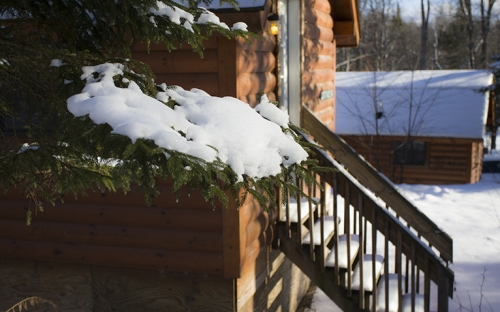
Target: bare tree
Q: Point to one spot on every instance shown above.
(466, 10)
(424, 31)
(485, 7)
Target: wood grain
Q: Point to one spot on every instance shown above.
(253, 83)
(68, 286)
(181, 261)
(179, 61)
(119, 289)
(255, 62)
(317, 17)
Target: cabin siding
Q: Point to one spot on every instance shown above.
(117, 230)
(319, 60)
(449, 161)
(256, 65)
(86, 288)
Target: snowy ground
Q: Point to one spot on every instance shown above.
(470, 214)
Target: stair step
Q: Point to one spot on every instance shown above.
(304, 210)
(419, 303)
(342, 252)
(367, 272)
(328, 230)
(393, 293)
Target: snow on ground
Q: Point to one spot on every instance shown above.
(470, 214)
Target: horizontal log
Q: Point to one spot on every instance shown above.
(320, 5)
(319, 105)
(316, 61)
(265, 42)
(317, 17)
(207, 82)
(255, 62)
(181, 261)
(254, 99)
(441, 156)
(313, 91)
(182, 218)
(210, 43)
(312, 77)
(179, 62)
(326, 115)
(117, 236)
(252, 83)
(449, 148)
(189, 200)
(312, 46)
(315, 32)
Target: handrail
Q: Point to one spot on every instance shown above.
(380, 186)
(363, 215)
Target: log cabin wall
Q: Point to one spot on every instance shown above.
(318, 91)
(255, 68)
(228, 68)
(448, 160)
(215, 73)
(123, 255)
(113, 229)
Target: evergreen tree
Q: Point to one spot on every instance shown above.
(47, 152)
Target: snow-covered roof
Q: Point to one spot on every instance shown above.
(445, 103)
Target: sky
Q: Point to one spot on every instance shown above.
(411, 8)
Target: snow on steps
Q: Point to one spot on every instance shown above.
(419, 303)
(393, 293)
(367, 272)
(328, 231)
(304, 209)
(342, 252)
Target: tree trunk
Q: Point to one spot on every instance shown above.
(423, 40)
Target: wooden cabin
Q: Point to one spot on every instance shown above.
(423, 127)
(111, 252)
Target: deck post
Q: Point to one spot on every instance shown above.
(443, 290)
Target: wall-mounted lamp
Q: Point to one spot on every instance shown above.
(274, 24)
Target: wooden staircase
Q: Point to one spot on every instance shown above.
(405, 255)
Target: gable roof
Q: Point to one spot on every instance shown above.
(445, 103)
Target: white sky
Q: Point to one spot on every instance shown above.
(411, 8)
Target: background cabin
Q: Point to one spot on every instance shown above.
(422, 127)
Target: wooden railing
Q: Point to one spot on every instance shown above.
(368, 176)
(363, 228)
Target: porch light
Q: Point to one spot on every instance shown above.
(273, 27)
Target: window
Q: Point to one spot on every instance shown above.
(410, 153)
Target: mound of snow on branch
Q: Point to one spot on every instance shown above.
(200, 125)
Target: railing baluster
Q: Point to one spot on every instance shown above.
(347, 226)
(322, 224)
(287, 213)
(413, 282)
(386, 264)
(336, 227)
(418, 273)
(374, 253)
(399, 247)
(362, 253)
(299, 212)
(427, 286)
(312, 219)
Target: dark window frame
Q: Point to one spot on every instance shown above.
(415, 155)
